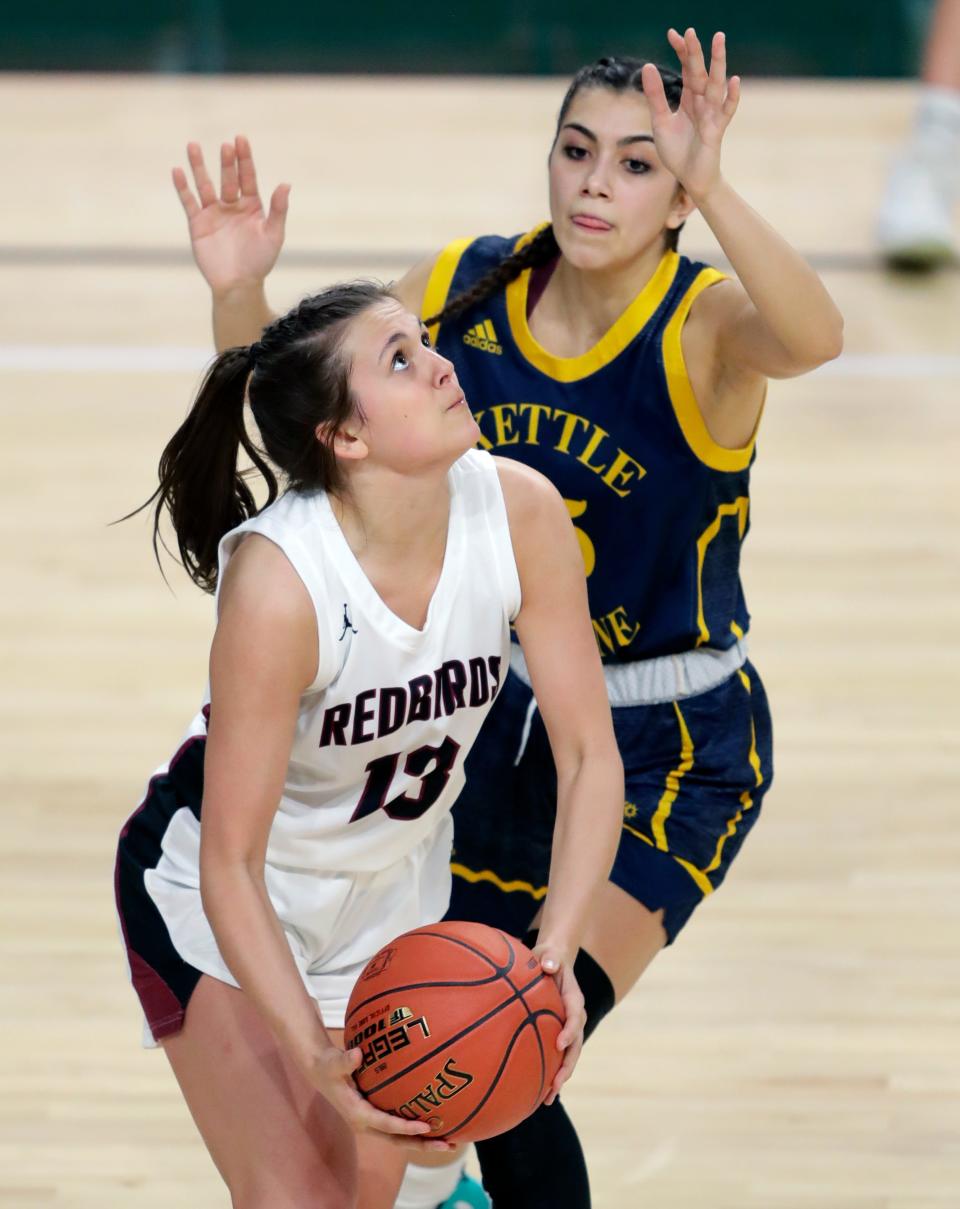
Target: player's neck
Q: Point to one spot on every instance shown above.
(588, 303)
(387, 516)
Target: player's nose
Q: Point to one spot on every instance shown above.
(443, 371)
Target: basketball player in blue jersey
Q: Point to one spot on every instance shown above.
(363, 634)
(634, 379)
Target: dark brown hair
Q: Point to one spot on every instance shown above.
(619, 74)
(296, 379)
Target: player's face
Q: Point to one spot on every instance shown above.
(413, 415)
(610, 197)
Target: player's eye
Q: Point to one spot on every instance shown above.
(638, 167)
(573, 152)
(425, 339)
(399, 360)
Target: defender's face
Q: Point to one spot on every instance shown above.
(610, 197)
(413, 415)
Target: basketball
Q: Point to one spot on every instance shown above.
(458, 1026)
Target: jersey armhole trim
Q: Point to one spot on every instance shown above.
(685, 406)
(498, 527)
(438, 283)
(303, 563)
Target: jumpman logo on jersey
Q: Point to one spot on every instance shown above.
(347, 623)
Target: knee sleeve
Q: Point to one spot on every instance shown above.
(537, 1165)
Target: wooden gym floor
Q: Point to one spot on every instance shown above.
(798, 1048)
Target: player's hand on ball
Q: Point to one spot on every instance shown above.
(331, 1072)
(234, 243)
(571, 1035)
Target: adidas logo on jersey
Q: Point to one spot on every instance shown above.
(483, 337)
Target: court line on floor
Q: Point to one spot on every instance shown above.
(134, 257)
(173, 358)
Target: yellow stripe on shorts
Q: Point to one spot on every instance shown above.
(665, 805)
(487, 875)
(746, 801)
(697, 874)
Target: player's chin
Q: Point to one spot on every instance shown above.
(468, 430)
(594, 254)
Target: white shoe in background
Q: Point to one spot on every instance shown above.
(915, 227)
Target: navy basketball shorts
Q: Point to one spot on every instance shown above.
(696, 772)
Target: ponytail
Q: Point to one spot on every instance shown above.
(296, 378)
(200, 484)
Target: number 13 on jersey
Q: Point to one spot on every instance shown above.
(381, 772)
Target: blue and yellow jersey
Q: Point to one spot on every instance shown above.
(660, 509)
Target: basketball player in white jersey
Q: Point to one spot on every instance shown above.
(363, 633)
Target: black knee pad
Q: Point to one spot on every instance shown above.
(598, 994)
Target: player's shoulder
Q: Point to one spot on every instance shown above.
(718, 302)
(521, 486)
(717, 295)
(261, 587)
(489, 250)
(530, 498)
(432, 275)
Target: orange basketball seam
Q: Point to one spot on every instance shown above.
(416, 986)
(447, 1042)
(536, 1031)
(456, 940)
(508, 1045)
(531, 1018)
(498, 971)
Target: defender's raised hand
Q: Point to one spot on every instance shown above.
(688, 140)
(234, 243)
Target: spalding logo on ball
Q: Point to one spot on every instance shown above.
(458, 1026)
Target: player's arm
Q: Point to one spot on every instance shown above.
(782, 322)
(558, 643)
(234, 243)
(412, 286)
(556, 635)
(264, 656)
(779, 320)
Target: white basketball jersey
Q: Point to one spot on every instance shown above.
(385, 726)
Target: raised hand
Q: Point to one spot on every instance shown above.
(234, 243)
(688, 140)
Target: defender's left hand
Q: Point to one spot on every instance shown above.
(571, 1035)
(688, 140)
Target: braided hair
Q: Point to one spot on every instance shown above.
(619, 74)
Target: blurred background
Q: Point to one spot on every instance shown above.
(797, 1049)
(515, 37)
